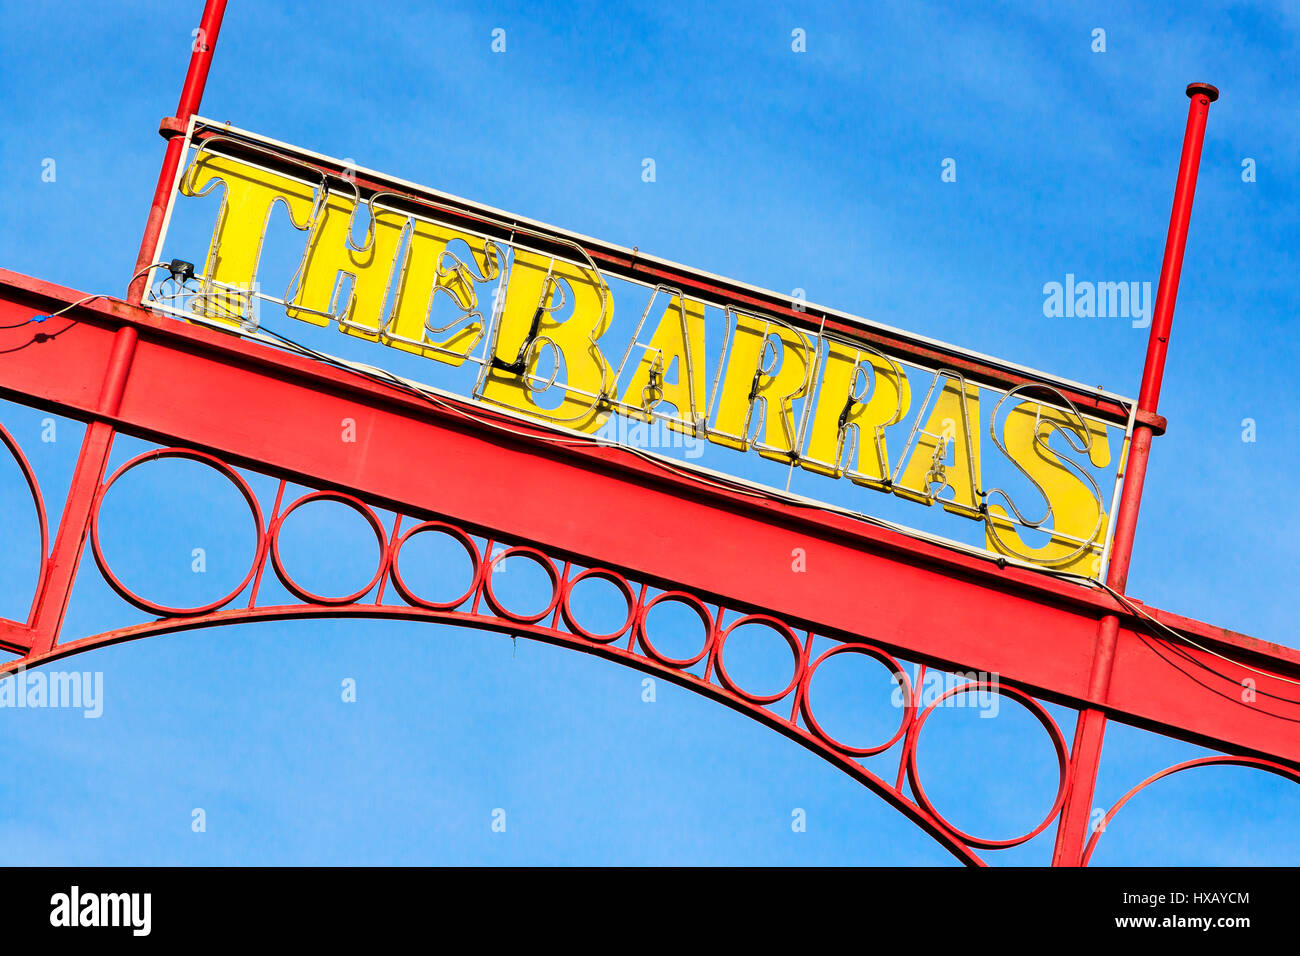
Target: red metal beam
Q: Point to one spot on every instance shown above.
(119, 368)
(196, 78)
(56, 586)
(602, 505)
(1086, 752)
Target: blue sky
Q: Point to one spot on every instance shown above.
(818, 170)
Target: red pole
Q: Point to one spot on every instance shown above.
(61, 573)
(1072, 831)
(196, 79)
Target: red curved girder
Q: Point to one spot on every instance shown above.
(715, 550)
(928, 822)
(1218, 760)
(1017, 611)
(38, 502)
(630, 644)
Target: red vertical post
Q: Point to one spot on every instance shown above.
(196, 78)
(1072, 831)
(70, 541)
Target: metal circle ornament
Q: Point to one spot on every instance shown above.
(143, 603)
(360, 508)
(1041, 715)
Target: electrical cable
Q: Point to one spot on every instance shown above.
(1160, 626)
(376, 374)
(82, 301)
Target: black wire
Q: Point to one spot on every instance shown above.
(383, 375)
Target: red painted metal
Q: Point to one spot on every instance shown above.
(900, 676)
(56, 587)
(505, 613)
(1053, 732)
(1217, 761)
(441, 527)
(570, 618)
(811, 739)
(871, 591)
(1036, 631)
(696, 605)
(42, 520)
(300, 592)
(786, 634)
(1091, 728)
(196, 78)
(143, 603)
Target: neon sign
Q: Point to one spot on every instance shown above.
(519, 317)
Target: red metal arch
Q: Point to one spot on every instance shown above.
(38, 501)
(1053, 732)
(1218, 760)
(116, 583)
(119, 369)
(630, 644)
(1005, 613)
(928, 820)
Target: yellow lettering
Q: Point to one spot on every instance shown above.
(679, 338)
(331, 256)
(749, 379)
(838, 408)
(429, 268)
(1077, 518)
(250, 193)
(527, 332)
(947, 451)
